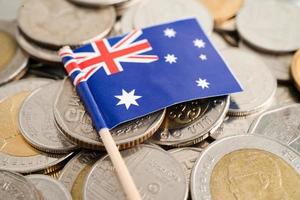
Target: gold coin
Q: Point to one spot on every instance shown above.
(254, 174)
(222, 10)
(11, 140)
(295, 69)
(77, 188)
(8, 48)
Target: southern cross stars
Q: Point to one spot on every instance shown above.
(199, 43)
(169, 32)
(170, 58)
(128, 99)
(203, 57)
(202, 83)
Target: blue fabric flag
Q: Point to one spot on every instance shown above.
(125, 77)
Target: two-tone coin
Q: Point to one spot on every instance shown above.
(15, 153)
(14, 186)
(155, 172)
(63, 23)
(254, 75)
(27, 84)
(281, 123)
(37, 123)
(295, 69)
(246, 167)
(75, 171)
(49, 188)
(191, 122)
(13, 59)
(75, 122)
(270, 25)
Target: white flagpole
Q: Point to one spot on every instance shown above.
(120, 166)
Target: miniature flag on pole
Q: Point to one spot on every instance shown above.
(126, 77)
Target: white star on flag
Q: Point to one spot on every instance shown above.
(199, 43)
(169, 32)
(170, 58)
(128, 99)
(203, 57)
(202, 83)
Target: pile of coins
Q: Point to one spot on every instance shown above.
(242, 146)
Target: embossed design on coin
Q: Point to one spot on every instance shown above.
(49, 187)
(281, 123)
(253, 98)
(13, 59)
(14, 186)
(73, 119)
(155, 172)
(37, 123)
(15, 153)
(207, 116)
(63, 23)
(254, 174)
(246, 167)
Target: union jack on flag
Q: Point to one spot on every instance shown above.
(129, 76)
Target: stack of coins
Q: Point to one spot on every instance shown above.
(242, 146)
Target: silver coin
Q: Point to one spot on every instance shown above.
(279, 64)
(28, 84)
(73, 119)
(218, 41)
(286, 94)
(205, 165)
(36, 51)
(63, 23)
(153, 12)
(270, 25)
(37, 123)
(122, 8)
(49, 188)
(9, 9)
(14, 186)
(187, 156)
(256, 79)
(281, 123)
(13, 58)
(75, 171)
(233, 126)
(191, 122)
(155, 172)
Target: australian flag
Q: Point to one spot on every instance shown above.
(125, 77)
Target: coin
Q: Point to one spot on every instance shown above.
(28, 84)
(127, 20)
(122, 8)
(218, 41)
(233, 126)
(9, 9)
(279, 64)
(15, 153)
(75, 171)
(97, 2)
(281, 123)
(191, 122)
(153, 12)
(246, 167)
(222, 10)
(62, 23)
(270, 25)
(187, 156)
(36, 51)
(13, 59)
(295, 69)
(75, 122)
(49, 187)
(155, 172)
(14, 186)
(254, 75)
(37, 123)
